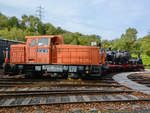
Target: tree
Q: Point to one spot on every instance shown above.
(13, 22)
(59, 30)
(49, 29)
(87, 39)
(33, 24)
(68, 38)
(144, 48)
(128, 39)
(3, 21)
(105, 44)
(76, 37)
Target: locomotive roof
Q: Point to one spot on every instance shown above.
(43, 36)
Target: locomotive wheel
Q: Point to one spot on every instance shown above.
(73, 75)
(100, 72)
(29, 74)
(37, 74)
(6, 69)
(64, 75)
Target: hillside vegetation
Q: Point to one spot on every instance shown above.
(14, 29)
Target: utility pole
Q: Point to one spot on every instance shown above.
(39, 12)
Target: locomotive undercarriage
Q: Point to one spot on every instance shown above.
(37, 70)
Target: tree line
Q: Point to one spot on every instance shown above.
(129, 42)
(16, 29)
(13, 28)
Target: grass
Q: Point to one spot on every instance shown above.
(145, 59)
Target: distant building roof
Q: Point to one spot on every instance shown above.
(1, 38)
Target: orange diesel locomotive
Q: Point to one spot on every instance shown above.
(48, 54)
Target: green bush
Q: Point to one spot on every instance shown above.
(147, 52)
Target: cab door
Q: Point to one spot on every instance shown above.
(31, 50)
(43, 50)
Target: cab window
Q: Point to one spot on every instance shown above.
(43, 42)
(32, 43)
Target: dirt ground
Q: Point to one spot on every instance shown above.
(103, 107)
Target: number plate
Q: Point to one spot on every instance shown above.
(53, 68)
(72, 68)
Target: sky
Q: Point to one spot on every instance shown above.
(107, 18)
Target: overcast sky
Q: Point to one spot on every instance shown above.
(107, 18)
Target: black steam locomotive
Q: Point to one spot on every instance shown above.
(123, 60)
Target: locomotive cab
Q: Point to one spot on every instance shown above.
(40, 49)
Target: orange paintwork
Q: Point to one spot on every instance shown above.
(36, 57)
(75, 54)
(54, 53)
(17, 54)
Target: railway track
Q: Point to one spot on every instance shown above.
(144, 80)
(23, 92)
(29, 101)
(62, 92)
(28, 98)
(62, 85)
(61, 99)
(104, 82)
(24, 80)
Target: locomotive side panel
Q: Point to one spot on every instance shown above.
(77, 55)
(17, 54)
